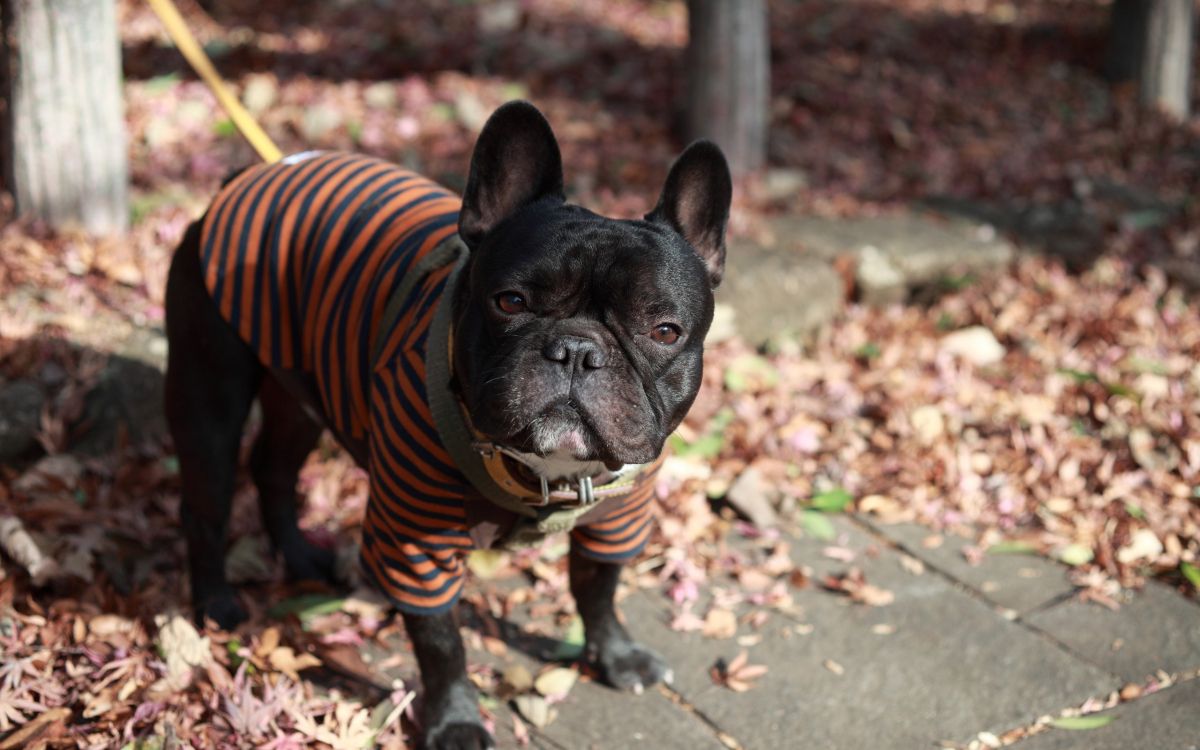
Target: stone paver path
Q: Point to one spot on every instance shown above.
(963, 650)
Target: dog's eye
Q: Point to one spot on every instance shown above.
(666, 333)
(511, 303)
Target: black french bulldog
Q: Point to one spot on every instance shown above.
(576, 350)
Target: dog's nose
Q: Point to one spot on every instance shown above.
(574, 352)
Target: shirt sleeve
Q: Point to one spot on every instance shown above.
(415, 531)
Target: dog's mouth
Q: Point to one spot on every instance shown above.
(560, 431)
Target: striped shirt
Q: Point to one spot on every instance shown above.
(300, 257)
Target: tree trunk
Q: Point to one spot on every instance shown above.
(1126, 39)
(1165, 80)
(728, 78)
(1150, 42)
(64, 129)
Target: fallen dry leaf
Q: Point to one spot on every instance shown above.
(285, 659)
(555, 682)
(720, 623)
(738, 675)
(535, 710)
(182, 648)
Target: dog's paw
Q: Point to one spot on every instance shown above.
(452, 720)
(459, 736)
(222, 608)
(627, 665)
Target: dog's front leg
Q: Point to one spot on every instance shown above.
(621, 661)
(451, 713)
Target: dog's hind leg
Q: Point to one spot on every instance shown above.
(212, 377)
(288, 435)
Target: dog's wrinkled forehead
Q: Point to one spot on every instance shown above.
(560, 250)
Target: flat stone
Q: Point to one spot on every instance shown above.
(595, 716)
(879, 281)
(1166, 719)
(938, 664)
(776, 292)
(923, 247)
(1018, 582)
(1155, 629)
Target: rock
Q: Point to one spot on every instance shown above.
(724, 324)
(380, 95)
(751, 494)
(878, 279)
(782, 183)
(20, 412)
(500, 17)
(776, 293)
(927, 422)
(1143, 545)
(319, 120)
(976, 344)
(470, 110)
(260, 94)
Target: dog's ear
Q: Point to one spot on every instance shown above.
(516, 162)
(695, 202)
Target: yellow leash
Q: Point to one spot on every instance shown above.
(194, 54)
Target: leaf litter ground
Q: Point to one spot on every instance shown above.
(1067, 428)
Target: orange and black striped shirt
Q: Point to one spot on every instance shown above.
(300, 257)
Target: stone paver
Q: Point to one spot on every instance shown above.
(791, 287)
(777, 292)
(908, 249)
(1021, 583)
(1166, 720)
(1155, 629)
(595, 717)
(944, 666)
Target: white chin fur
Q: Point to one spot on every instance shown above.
(560, 444)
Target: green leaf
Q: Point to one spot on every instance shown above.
(709, 446)
(1134, 510)
(750, 372)
(307, 606)
(486, 563)
(1012, 547)
(817, 525)
(1192, 573)
(1079, 376)
(235, 659)
(957, 283)
(1094, 721)
(1147, 218)
(1141, 364)
(831, 501)
(160, 84)
(869, 350)
(1075, 554)
(1116, 389)
(571, 646)
(514, 90)
(225, 128)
